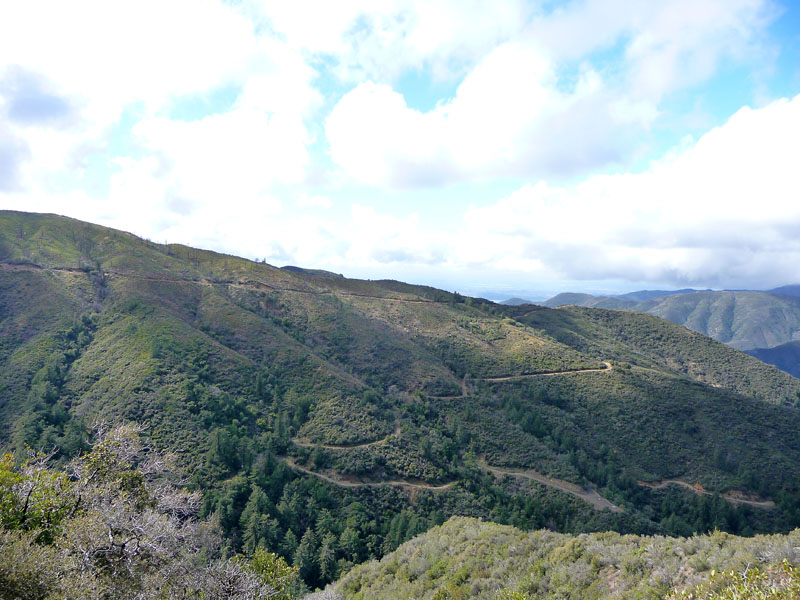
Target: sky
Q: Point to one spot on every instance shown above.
(501, 148)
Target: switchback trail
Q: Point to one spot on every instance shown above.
(343, 482)
(732, 497)
(607, 368)
(588, 496)
(464, 392)
(306, 444)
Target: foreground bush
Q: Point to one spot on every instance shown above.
(468, 558)
(773, 583)
(114, 523)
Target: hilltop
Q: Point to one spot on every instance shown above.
(467, 558)
(327, 416)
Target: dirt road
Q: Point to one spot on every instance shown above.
(589, 496)
(307, 444)
(351, 483)
(607, 368)
(733, 497)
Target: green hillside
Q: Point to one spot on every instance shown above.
(467, 558)
(330, 419)
(745, 320)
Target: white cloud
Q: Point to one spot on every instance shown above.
(723, 211)
(581, 27)
(230, 157)
(96, 60)
(313, 201)
(512, 114)
(114, 53)
(533, 102)
(522, 111)
(508, 118)
(684, 41)
(377, 41)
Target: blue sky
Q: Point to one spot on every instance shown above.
(503, 148)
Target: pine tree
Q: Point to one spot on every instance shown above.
(255, 524)
(289, 545)
(350, 544)
(326, 558)
(304, 556)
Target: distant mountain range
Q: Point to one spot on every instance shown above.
(786, 357)
(517, 302)
(630, 299)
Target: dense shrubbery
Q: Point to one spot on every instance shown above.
(466, 558)
(775, 582)
(113, 524)
(653, 341)
(348, 421)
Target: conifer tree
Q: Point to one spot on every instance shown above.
(305, 555)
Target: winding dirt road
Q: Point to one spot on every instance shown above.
(607, 368)
(589, 496)
(732, 497)
(307, 444)
(349, 483)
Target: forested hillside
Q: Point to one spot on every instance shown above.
(330, 419)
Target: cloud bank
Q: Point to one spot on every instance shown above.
(721, 211)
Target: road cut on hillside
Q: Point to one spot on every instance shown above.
(239, 283)
(605, 369)
(308, 444)
(734, 497)
(590, 496)
(342, 481)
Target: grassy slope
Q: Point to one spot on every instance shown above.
(226, 358)
(478, 559)
(651, 342)
(589, 301)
